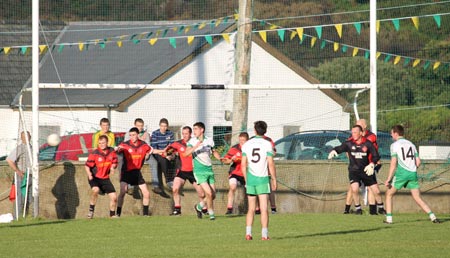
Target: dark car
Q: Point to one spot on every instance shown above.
(72, 147)
(316, 145)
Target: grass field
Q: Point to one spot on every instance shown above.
(292, 235)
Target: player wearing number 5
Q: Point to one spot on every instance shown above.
(403, 173)
(256, 165)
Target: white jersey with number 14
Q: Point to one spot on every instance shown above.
(257, 150)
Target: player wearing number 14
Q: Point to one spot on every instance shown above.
(256, 165)
(403, 173)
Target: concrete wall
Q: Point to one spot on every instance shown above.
(303, 187)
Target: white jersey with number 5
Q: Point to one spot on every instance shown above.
(406, 153)
(257, 150)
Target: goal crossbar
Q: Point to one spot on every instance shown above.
(305, 86)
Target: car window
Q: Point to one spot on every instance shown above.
(283, 148)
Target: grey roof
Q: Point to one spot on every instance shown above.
(15, 68)
(135, 62)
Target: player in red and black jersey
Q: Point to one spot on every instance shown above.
(360, 167)
(135, 152)
(99, 165)
(184, 168)
(371, 198)
(233, 157)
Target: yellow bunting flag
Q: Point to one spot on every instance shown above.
(6, 49)
(152, 41)
(339, 29)
(42, 49)
(378, 54)
(218, 22)
(336, 46)
(201, 26)
(397, 59)
(378, 26)
(313, 41)
(293, 34)
(415, 20)
(263, 35)
(81, 46)
(300, 33)
(436, 65)
(190, 39)
(96, 41)
(119, 43)
(416, 62)
(236, 16)
(187, 29)
(273, 26)
(355, 51)
(226, 37)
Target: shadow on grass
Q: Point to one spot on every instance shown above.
(37, 223)
(355, 231)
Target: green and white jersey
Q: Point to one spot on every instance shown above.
(406, 153)
(202, 155)
(257, 150)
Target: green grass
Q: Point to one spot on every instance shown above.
(292, 235)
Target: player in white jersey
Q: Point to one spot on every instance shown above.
(403, 173)
(201, 148)
(257, 164)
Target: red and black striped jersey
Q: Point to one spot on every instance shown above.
(186, 162)
(134, 154)
(100, 162)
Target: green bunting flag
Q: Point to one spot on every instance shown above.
(281, 34)
(437, 19)
(388, 57)
(60, 48)
(396, 23)
(319, 31)
(173, 42)
(344, 49)
(366, 54)
(209, 39)
(322, 45)
(407, 60)
(426, 65)
(357, 27)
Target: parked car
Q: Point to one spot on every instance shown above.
(317, 144)
(71, 147)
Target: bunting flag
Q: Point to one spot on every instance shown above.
(388, 57)
(42, 49)
(119, 43)
(436, 65)
(102, 45)
(190, 39)
(81, 46)
(281, 34)
(378, 54)
(313, 41)
(226, 37)
(7, 49)
(396, 23)
(339, 29)
(336, 46)
(319, 31)
(397, 60)
(344, 49)
(153, 41)
(415, 20)
(209, 39)
(367, 54)
(407, 60)
(355, 51)
(416, 62)
(378, 26)
(23, 50)
(263, 35)
(300, 33)
(322, 45)
(60, 48)
(357, 27)
(173, 42)
(202, 25)
(293, 34)
(437, 19)
(426, 65)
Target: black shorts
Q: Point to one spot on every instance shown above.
(186, 175)
(104, 185)
(361, 176)
(240, 179)
(133, 177)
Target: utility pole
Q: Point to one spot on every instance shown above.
(242, 68)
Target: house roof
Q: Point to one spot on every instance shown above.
(133, 63)
(136, 62)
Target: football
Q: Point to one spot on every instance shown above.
(53, 139)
